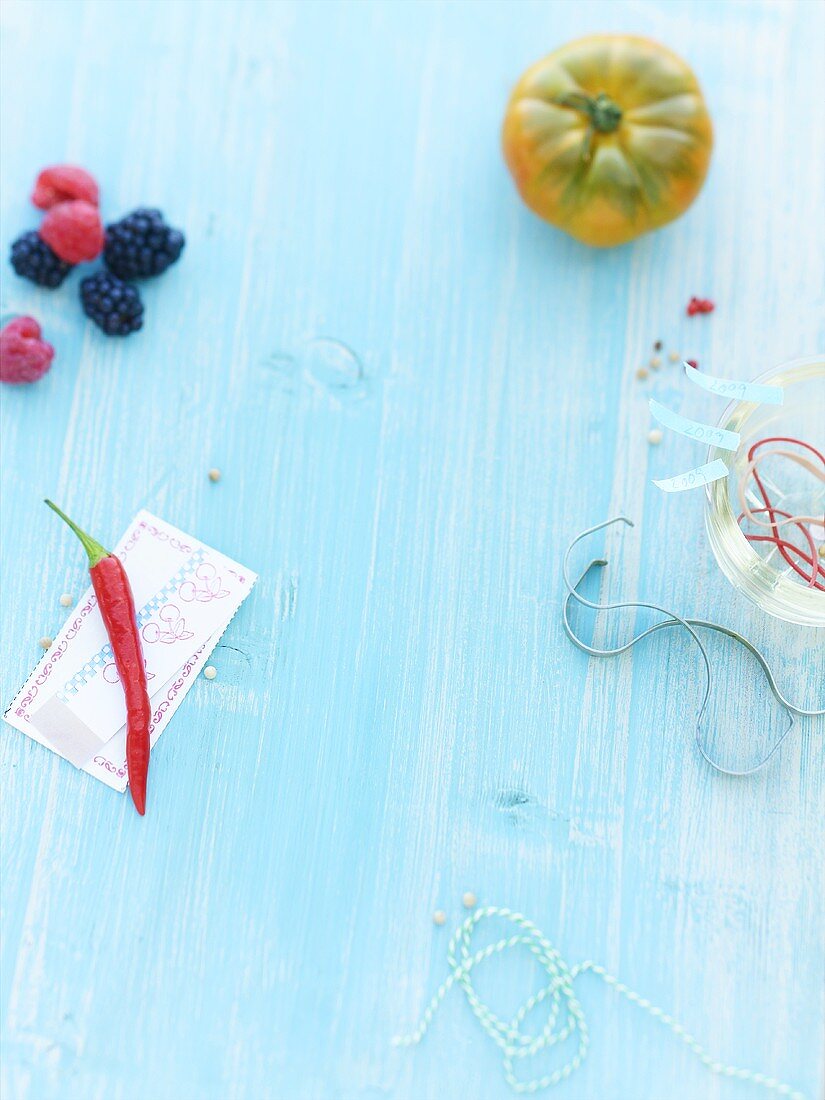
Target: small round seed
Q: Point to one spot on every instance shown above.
(641, 374)
(46, 642)
(439, 917)
(214, 474)
(655, 362)
(66, 600)
(674, 357)
(210, 672)
(469, 900)
(654, 436)
(821, 550)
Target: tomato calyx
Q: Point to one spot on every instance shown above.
(602, 113)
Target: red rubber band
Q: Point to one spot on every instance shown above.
(786, 548)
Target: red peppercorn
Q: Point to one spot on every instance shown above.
(700, 305)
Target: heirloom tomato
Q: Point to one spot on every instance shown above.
(608, 137)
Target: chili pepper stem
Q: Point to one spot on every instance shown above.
(92, 547)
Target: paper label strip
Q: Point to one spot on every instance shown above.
(692, 479)
(705, 433)
(739, 391)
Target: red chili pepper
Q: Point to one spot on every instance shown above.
(117, 606)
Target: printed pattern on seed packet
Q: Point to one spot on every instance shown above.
(186, 594)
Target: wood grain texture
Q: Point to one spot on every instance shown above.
(417, 393)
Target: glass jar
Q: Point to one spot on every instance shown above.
(769, 581)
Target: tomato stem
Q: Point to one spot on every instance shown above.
(603, 114)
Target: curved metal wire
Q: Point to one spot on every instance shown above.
(690, 625)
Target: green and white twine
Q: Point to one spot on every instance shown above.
(565, 1020)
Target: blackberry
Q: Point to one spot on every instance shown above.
(113, 305)
(32, 258)
(141, 244)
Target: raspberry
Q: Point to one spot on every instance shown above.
(74, 230)
(113, 305)
(63, 182)
(141, 244)
(32, 258)
(24, 357)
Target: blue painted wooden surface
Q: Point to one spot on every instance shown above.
(417, 393)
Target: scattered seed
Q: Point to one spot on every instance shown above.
(657, 346)
(214, 474)
(210, 672)
(641, 374)
(439, 917)
(469, 900)
(674, 357)
(654, 436)
(46, 642)
(655, 362)
(66, 600)
(821, 550)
